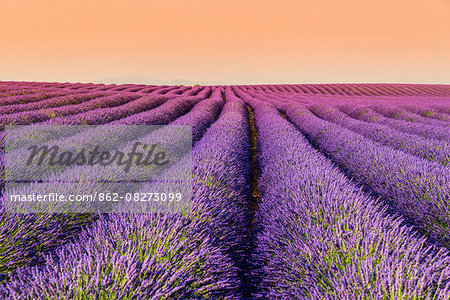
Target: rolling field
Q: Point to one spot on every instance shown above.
(308, 191)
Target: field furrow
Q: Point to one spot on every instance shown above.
(285, 191)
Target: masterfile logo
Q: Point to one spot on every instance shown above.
(118, 168)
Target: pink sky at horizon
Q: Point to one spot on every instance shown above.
(227, 42)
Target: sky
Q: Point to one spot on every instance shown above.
(225, 42)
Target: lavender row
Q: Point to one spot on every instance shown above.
(359, 89)
(364, 90)
(200, 118)
(428, 112)
(21, 99)
(192, 91)
(368, 115)
(395, 112)
(109, 114)
(164, 90)
(162, 115)
(430, 149)
(161, 256)
(416, 188)
(10, 92)
(221, 176)
(130, 257)
(203, 114)
(164, 112)
(320, 237)
(395, 102)
(442, 108)
(179, 90)
(150, 89)
(28, 117)
(396, 90)
(128, 87)
(51, 102)
(53, 106)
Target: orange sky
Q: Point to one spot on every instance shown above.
(225, 42)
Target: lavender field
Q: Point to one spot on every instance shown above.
(308, 191)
